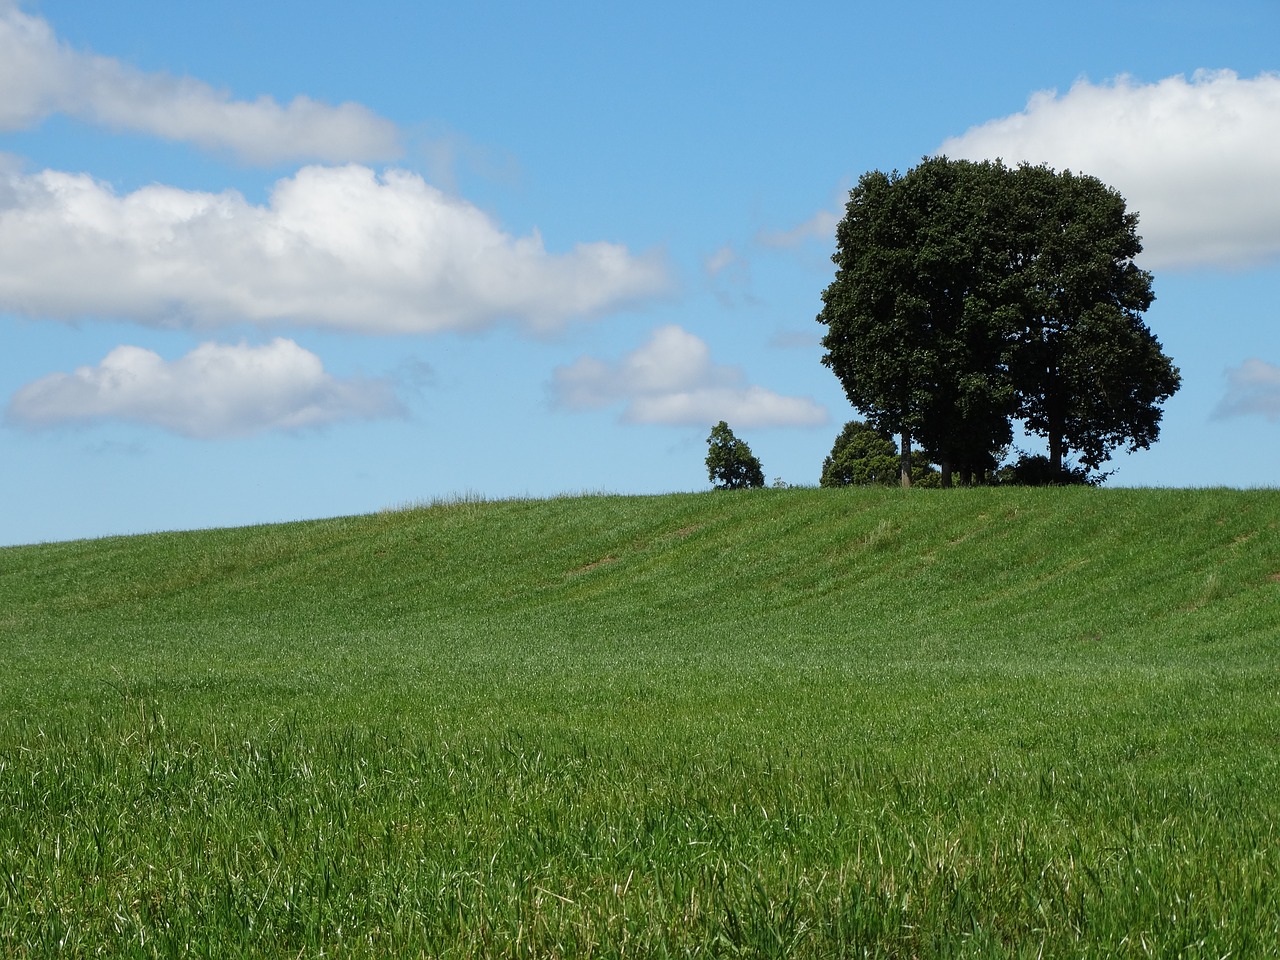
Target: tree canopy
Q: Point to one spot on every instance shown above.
(968, 295)
(730, 463)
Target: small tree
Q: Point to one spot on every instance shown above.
(730, 463)
(861, 455)
(864, 456)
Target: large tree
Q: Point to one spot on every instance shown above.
(914, 333)
(1089, 376)
(872, 341)
(969, 294)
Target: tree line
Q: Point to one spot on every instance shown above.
(970, 295)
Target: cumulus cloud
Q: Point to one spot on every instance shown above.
(41, 75)
(671, 380)
(1252, 388)
(1195, 158)
(215, 391)
(335, 247)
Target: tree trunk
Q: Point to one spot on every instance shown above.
(1056, 420)
(906, 459)
(1055, 451)
(946, 472)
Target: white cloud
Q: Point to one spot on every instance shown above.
(821, 226)
(40, 75)
(721, 260)
(214, 391)
(1253, 388)
(729, 277)
(671, 380)
(796, 339)
(1196, 159)
(335, 247)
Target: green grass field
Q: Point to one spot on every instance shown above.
(805, 723)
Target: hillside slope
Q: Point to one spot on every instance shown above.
(982, 577)
(795, 723)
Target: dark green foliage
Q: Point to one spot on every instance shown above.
(1088, 375)
(970, 294)
(913, 333)
(1037, 470)
(961, 392)
(730, 463)
(863, 455)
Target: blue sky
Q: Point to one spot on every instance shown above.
(272, 261)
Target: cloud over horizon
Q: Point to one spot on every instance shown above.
(340, 248)
(1253, 388)
(671, 380)
(821, 226)
(1195, 158)
(41, 75)
(216, 391)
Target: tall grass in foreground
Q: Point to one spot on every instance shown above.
(794, 723)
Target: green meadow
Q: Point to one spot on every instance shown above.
(778, 723)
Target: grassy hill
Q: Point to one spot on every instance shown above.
(785, 723)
